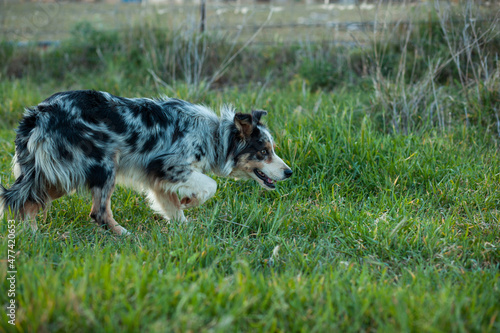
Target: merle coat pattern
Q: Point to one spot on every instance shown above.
(165, 146)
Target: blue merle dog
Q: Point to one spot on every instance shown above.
(93, 139)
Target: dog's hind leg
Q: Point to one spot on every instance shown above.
(53, 193)
(102, 185)
(29, 212)
(22, 201)
(101, 210)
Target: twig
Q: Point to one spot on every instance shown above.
(226, 64)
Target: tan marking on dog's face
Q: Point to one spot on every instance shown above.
(245, 163)
(266, 154)
(264, 166)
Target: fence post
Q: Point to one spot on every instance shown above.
(203, 16)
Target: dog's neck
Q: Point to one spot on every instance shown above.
(226, 147)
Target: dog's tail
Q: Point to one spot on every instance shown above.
(2, 201)
(23, 200)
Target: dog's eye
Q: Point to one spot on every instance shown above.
(263, 152)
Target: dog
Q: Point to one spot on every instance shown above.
(92, 139)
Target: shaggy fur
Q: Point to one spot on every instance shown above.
(93, 139)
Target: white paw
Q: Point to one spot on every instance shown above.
(176, 217)
(119, 230)
(198, 189)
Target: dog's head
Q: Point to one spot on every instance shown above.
(256, 157)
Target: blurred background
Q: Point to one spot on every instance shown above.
(285, 20)
(416, 62)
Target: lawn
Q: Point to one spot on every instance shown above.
(378, 229)
(373, 232)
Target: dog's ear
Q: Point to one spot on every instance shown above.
(256, 115)
(243, 122)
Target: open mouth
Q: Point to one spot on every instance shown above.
(262, 176)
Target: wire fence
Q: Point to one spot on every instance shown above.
(48, 24)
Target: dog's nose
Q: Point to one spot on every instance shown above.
(288, 173)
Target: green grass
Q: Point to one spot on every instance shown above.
(373, 232)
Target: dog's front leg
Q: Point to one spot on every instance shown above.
(196, 190)
(167, 203)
